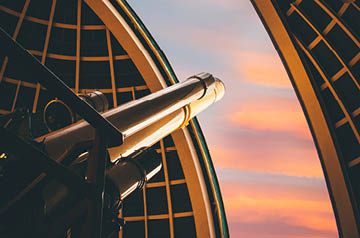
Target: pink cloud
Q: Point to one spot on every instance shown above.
(216, 40)
(244, 60)
(225, 4)
(261, 68)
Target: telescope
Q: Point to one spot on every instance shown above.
(90, 159)
(82, 166)
(144, 121)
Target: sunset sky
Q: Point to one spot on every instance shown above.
(268, 169)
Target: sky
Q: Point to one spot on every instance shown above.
(265, 159)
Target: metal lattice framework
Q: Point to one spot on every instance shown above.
(319, 43)
(77, 41)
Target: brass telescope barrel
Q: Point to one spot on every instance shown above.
(163, 127)
(146, 120)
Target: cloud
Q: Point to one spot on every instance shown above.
(277, 229)
(271, 114)
(206, 38)
(270, 185)
(225, 4)
(315, 215)
(277, 160)
(242, 55)
(268, 134)
(261, 68)
(194, 38)
(228, 31)
(273, 202)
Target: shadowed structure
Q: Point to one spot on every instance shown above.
(319, 44)
(103, 46)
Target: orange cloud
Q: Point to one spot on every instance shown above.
(272, 114)
(300, 212)
(263, 202)
(310, 214)
(284, 160)
(267, 135)
(262, 69)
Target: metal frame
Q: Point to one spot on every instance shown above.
(291, 50)
(49, 80)
(94, 185)
(146, 63)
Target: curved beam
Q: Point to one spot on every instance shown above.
(284, 44)
(155, 81)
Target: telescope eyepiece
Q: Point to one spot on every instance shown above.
(57, 114)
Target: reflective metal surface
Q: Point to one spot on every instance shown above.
(132, 117)
(168, 124)
(133, 173)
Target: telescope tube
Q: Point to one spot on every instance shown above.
(165, 126)
(132, 173)
(135, 116)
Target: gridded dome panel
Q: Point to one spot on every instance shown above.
(78, 54)
(323, 39)
(70, 39)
